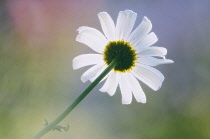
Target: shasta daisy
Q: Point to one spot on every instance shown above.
(135, 54)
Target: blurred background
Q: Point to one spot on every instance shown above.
(37, 82)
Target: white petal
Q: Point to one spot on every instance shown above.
(107, 25)
(92, 31)
(150, 76)
(151, 61)
(136, 89)
(91, 72)
(125, 90)
(121, 19)
(86, 60)
(105, 87)
(99, 73)
(140, 32)
(146, 42)
(92, 38)
(130, 21)
(125, 23)
(113, 84)
(110, 85)
(153, 51)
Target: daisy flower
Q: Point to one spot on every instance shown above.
(136, 55)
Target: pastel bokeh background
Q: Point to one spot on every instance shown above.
(37, 82)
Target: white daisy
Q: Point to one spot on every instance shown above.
(136, 56)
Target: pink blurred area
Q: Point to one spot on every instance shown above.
(39, 22)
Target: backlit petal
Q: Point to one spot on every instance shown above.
(107, 25)
(136, 88)
(91, 72)
(125, 90)
(140, 32)
(146, 42)
(151, 61)
(86, 60)
(92, 38)
(110, 84)
(148, 75)
(153, 51)
(125, 23)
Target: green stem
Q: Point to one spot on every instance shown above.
(76, 102)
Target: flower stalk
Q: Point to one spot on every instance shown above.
(77, 101)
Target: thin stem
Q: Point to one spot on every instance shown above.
(76, 102)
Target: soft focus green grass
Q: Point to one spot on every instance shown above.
(37, 81)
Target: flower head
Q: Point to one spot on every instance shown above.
(135, 54)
